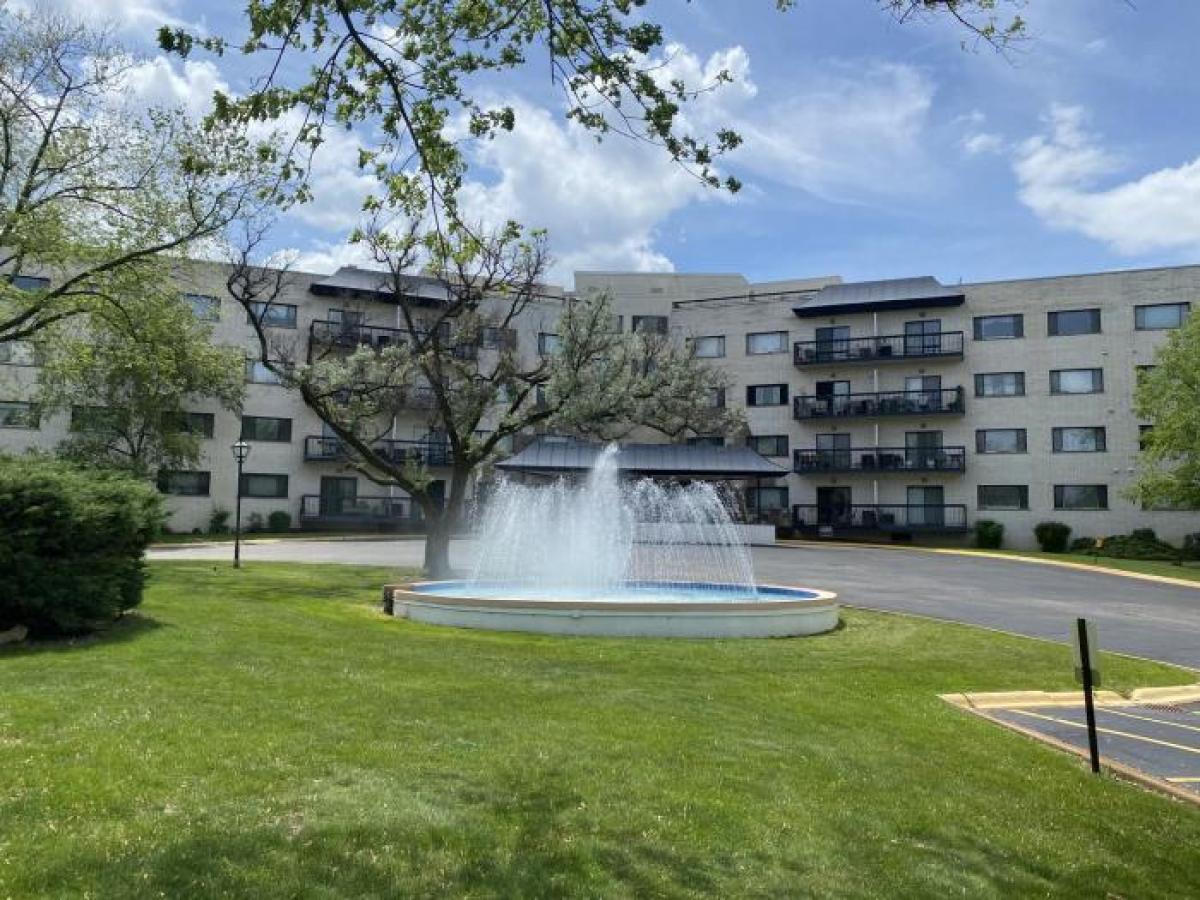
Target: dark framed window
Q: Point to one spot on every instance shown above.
(273, 315)
(184, 484)
(1000, 384)
(1081, 496)
(496, 337)
(349, 318)
(548, 344)
(999, 328)
(648, 324)
(1073, 321)
(1159, 316)
(21, 353)
(29, 282)
(1001, 440)
(710, 346)
(1002, 496)
(20, 414)
(266, 428)
(766, 502)
(768, 444)
(716, 398)
(760, 343)
(257, 484)
(204, 307)
(706, 440)
(1078, 440)
(766, 395)
(200, 424)
(257, 372)
(1077, 381)
(90, 418)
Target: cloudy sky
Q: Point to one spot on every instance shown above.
(872, 149)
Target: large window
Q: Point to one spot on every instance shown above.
(649, 324)
(349, 319)
(999, 328)
(258, 373)
(19, 414)
(1000, 384)
(759, 343)
(273, 315)
(766, 395)
(204, 308)
(706, 440)
(1078, 440)
(20, 353)
(716, 398)
(1000, 440)
(1159, 316)
(1073, 321)
(266, 428)
(1077, 381)
(769, 444)
(260, 485)
(709, 347)
(548, 344)
(1081, 496)
(767, 504)
(184, 484)
(1002, 496)
(29, 282)
(90, 418)
(197, 423)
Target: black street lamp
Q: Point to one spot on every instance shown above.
(240, 451)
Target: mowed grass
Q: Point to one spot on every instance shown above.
(1187, 571)
(269, 734)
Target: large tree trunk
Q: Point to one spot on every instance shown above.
(437, 547)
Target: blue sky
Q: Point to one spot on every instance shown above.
(873, 149)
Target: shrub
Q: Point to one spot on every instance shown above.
(71, 545)
(218, 521)
(1140, 544)
(1084, 545)
(256, 522)
(989, 534)
(1052, 536)
(278, 521)
(1191, 545)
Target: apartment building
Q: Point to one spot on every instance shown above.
(905, 408)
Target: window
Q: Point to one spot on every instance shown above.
(204, 308)
(999, 328)
(184, 484)
(273, 315)
(29, 282)
(716, 398)
(768, 444)
(266, 428)
(1077, 381)
(257, 485)
(1002, 496)
(649, 324)
(349, 318)
(1081, 496)
(923, 337)
(766, 342)
(766, 503)
(833, 342)
(19, 414)
(548, 344)
(1000, 440)
(1159, 316)
(90, 418)
(711, 347)
(766, 395)
(258, 373)
(1144, 436)
(1073, 321)
(197, 423)
(1000, 384)
(1078, 440)
(494, 337)
(20, 353)
(706, 440)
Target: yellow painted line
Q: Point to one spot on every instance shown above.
(1189, 780)
(1130, 715)
(1125, 734)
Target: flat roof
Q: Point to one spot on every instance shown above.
(556, 456)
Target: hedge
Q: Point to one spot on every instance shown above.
(71, 544)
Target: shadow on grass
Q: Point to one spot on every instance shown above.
(129, 627)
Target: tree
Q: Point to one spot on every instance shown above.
(93, 188)
(454, 359)
(129, 376)
(1168, 396)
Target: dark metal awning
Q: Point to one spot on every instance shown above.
(877, 296)
(556, 456)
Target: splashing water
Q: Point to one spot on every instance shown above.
(592, 539)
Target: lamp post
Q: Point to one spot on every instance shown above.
(241, 450)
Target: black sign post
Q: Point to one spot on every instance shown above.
(1090, 678)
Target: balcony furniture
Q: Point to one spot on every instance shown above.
(884, 348)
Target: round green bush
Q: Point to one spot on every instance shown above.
(1052, 537)
(279, 521)
(989, 534)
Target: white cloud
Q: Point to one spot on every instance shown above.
(126, 15)
(981, 142)
(1059, 174)
(157, 82)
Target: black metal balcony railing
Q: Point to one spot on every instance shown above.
(351, 335)
(884, 348)
(884, 403)
(881, 459)
(330, 449)
(315, 509)
(881, 517)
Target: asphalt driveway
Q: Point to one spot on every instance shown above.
(1143, 618)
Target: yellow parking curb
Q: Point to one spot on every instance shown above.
(1187, 693)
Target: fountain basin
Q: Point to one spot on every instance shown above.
(683, 609)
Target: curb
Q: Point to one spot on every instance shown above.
(1188, 693)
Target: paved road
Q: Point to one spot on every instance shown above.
(1154, 620)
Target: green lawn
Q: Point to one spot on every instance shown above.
(1189, 571)
(269, 734)
(284, 536)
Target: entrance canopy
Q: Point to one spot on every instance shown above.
(551, 456)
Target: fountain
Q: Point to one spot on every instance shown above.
(606, 557)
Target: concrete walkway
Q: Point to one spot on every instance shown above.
(1143, 618)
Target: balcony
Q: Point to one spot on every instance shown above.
(352, 335)
(890, 517)
(947, 401)
(341, 512)
(879, 349)
(880, 460)
(330, 449)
